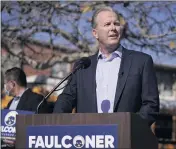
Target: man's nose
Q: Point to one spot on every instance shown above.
(113, 27)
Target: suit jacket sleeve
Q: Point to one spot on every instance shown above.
(67, 100)
(150, 95)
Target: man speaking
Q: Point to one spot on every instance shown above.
(118, 80)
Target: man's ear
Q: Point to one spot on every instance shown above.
(94, 33)
(13, 83)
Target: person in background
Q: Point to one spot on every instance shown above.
(15, 85)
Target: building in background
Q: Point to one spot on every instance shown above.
(166, 77)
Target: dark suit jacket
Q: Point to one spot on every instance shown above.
(136, 88)
(29, 102)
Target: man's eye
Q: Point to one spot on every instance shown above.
(107, 24)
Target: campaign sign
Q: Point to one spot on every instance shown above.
(8, 122)
(75, 136)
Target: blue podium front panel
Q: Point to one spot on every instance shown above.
(72, 136)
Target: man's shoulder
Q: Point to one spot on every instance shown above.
(140, 54)
(140, 57)
(29, 92)
(94, 56)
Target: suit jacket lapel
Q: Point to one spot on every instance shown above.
(10, 102)
(93, 82)
(123, 74)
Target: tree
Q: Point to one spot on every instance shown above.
(64, 27)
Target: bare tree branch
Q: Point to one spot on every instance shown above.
(63, 28)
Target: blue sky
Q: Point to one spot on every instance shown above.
(160, 14)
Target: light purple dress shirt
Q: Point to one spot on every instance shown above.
(106, 80)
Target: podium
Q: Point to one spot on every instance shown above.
(132, 133)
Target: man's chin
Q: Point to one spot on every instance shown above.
(113, 45)
(114, 42)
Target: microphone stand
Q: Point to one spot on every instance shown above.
(54, 89)
(44, 98)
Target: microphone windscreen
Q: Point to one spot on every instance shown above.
(85, 61)
(82, 63)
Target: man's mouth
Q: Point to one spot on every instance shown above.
(114, 35)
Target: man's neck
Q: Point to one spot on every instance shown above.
(107, 51)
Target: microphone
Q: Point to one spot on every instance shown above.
(83, 63)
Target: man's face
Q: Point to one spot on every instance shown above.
(108, 30)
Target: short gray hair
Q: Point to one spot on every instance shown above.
(97, 11)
